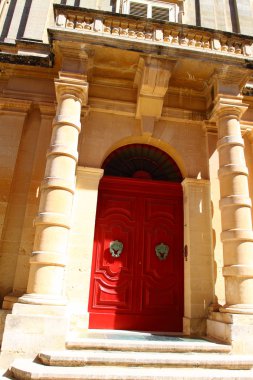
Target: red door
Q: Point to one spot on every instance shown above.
(137, 270)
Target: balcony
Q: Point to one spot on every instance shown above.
(146, 33)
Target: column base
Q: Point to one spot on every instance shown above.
(42, 299)
(234, 329)
(10, 300)
(32, 328)
(237, 309)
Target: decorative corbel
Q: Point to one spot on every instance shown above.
(152, 79)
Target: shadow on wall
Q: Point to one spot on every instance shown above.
(249, 163)
(215, 305)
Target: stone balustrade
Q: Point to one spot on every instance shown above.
(129, 27)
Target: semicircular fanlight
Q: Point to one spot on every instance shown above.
(142, 161)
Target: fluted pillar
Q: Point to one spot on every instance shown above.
(235, 205)
(46, 276)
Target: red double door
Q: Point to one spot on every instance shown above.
(137, 269)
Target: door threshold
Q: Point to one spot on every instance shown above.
(133, 335)
(127, 332)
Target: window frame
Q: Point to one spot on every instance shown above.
(173, 8)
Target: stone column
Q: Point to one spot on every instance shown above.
(235, 205)
(46, 276)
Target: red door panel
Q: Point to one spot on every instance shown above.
(137, 290)
(113, 277)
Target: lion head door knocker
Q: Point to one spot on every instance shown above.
(116, 248)
(162, 251)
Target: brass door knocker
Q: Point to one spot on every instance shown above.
(116, 248)
(162, 251)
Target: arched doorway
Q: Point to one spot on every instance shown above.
(137, 269)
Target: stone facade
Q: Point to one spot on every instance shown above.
(78, 81)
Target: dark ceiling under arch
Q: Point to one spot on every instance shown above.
(142, 161)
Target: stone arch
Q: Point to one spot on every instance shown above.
(142, 161)
(148, 140)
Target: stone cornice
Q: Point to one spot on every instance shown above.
(14, 105)
(47, 110)
(26, 53)
(145, 33)
(212, 128)
(112, 106)
(29, 96)
(182, 115)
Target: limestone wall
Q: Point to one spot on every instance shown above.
(105, 131)
(21, 191)
(25, 130)
(11, 127)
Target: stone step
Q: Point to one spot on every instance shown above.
(137, 345)
(145, 359)
(23, 369)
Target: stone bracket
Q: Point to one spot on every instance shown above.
(152, 79)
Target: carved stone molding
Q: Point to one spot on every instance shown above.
(130, 27)
(152, 79)
(11, 105)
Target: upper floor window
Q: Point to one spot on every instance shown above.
(156, 10)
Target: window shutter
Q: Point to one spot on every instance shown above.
(138, 9)
(160, 13)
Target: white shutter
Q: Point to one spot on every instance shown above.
(138, 9)
(160, 13)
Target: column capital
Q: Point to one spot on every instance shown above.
(72, 85)
(91, 176)
(195, 182)
(228, 105)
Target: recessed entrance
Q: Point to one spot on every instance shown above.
(137, 270)
(142, 161)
